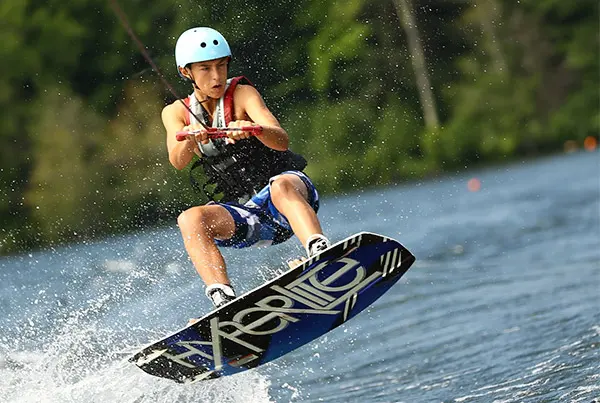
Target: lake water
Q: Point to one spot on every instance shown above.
(502, 305)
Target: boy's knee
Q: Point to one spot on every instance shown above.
(190, 218)
(206, 221)
(285, 186)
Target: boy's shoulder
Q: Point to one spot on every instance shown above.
(244, 91)
(174, 109)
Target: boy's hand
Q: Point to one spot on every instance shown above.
(236, 136)
(201, 136)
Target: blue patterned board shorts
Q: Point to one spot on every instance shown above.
(258, 222)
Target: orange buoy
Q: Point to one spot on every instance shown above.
(474, 185)
(590, 143)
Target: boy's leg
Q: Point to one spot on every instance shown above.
(290, 197)
(199, 227)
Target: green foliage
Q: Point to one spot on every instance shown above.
(395, 154)
(490, 120)
(61, 194)
(83, 149)
(336, 43)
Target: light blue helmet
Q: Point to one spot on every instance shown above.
(199, 45)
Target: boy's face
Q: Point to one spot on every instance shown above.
(209, 76)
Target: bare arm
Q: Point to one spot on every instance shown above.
(273, 135)
(180, 152)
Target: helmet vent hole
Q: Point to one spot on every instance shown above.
(203, 44)
(216, 42)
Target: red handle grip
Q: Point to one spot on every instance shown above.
(220, 132)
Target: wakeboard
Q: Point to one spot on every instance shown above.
(287, 312)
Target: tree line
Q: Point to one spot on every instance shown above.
(372, 92)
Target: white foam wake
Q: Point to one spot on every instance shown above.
(82, 357)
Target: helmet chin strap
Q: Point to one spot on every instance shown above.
(193, 80)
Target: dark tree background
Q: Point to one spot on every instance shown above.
(372, 93)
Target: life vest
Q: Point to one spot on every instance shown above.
(238, 170)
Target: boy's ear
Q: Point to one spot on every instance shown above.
(185, 72)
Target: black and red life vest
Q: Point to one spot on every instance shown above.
(240, 170)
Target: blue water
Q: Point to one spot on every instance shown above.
(502, 305)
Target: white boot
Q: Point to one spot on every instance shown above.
(315, 244)
(220, 294)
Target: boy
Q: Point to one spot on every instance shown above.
(266, 196)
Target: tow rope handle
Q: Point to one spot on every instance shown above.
(220, 132)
